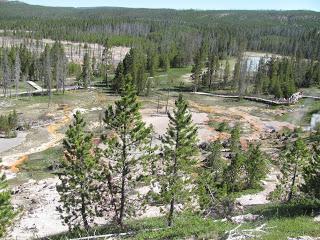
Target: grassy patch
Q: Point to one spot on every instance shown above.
(185, 225)
(282, 228)
(282, 221)
(287, 210)
(171, 79)
(39, 166)
(289, 220)
(248, 191)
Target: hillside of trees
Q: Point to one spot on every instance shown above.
(172, 32)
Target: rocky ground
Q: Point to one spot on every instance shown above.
(38, 200)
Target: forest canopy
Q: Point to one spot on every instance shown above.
(290, 33)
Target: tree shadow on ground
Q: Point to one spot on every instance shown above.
(285, 210)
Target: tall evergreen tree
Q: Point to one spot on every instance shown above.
(127, 148)
(294, 159)
(180, 157)
(226, 74)
(311, 175)
(60, 66)
(234, 173)
(210, 181)
(119, 78)
(237, 75)
(78, 174)
(17, 71)
(86, 74)
(255, 166)
(6, 209)
(152, 61)
(197, 70)
(5, 73)
(107, 60)
(214, 161)
(48, 72)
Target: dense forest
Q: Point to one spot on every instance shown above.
(164, 38)
(204, 159)
(173, 32)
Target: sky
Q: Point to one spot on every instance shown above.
(188, 4)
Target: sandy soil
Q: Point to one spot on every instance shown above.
(39, 200)
(257, 127)
(160, 123)
(39, 218)
(269, 185)
(14, 158)
(74, 50)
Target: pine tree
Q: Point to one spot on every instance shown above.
(214, 162)
(127, 148)
(180, 157)
(237, 75)
(152, 61)
(60, 63)
(86, 74)
(134, 69)
(197, 71)
(255, 166)
(311, 175)
(78, 174)
(6, 73)
(234, 173)
(211, 69)
(260, 76)
(107, 60)
(164, 62)
(17, 71)
(226, 73)
(234, 140)
(48, 72)
(294, 159)
(6, 210)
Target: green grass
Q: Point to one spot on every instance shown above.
(189, 225)
(185, 225)
(173, 78)
(248, 191)
(38, 166)
(283, 228)
(289, 220)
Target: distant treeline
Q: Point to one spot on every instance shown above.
(175, 33)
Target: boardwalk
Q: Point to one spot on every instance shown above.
(256, 99)
(37, 90)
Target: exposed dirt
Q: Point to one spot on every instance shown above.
(39, 217)
(7, 144)
(14, 160)
(160, 123)
(74, 50)
(39, 200)
(258, 128)
(269, 185)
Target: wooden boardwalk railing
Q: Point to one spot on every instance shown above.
(256, 99)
